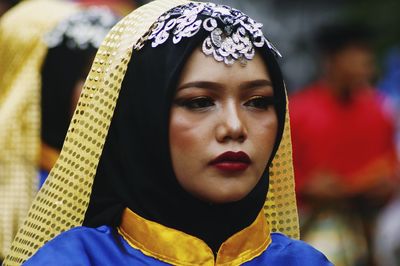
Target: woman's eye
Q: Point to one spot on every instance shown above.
(197, 103)
(260, 102)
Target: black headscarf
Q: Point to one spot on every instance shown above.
(62, 69)
(135, 169)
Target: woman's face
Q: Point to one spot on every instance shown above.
(223, 126)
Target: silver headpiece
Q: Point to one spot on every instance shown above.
(233, 34)
(82, 30)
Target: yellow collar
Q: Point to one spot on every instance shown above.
(178, 248)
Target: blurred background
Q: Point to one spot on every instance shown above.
(291, 26)
(341, 63)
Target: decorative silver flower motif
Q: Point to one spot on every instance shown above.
(233, 34)
(83, 29)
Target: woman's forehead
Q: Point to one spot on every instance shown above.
(200, 67)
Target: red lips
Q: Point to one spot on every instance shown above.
(232, 161)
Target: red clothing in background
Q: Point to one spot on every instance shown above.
(352, 141)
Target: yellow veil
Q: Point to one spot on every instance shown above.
(62, 202)
(22, 52)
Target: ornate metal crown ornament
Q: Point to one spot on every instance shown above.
(83, 29)
(233, 34)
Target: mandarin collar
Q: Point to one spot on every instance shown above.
(178, 248)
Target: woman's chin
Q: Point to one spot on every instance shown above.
(222, 197)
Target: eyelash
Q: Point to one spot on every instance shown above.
(203, 103)
(197, 103)
(260, 102)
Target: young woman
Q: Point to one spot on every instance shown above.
(179, 172)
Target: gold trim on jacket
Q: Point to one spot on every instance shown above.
(178, 248)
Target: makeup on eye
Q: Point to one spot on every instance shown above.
(195, 103)
(202, 103)
(260, 102)
(202, 96)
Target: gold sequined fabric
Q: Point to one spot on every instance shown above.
(62, 202)
(22, 52)
(280, 206)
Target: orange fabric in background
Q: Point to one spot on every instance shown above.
(353, 141)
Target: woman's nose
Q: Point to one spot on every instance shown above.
(231, 126)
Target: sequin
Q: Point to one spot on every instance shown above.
(210, 24)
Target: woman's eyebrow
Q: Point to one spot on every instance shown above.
(255, 83)
(201, 84)
(215, 85)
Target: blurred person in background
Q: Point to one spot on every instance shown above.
(72, 46)
(46, 50)
(344, 152)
